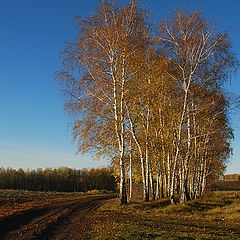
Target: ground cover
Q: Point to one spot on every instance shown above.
(214, 216)
(40, 215)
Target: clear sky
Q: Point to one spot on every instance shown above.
(33, 127)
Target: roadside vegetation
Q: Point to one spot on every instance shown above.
(216, 215)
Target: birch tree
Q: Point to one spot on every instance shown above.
(96, 75)
(202, 57)
(153, 101)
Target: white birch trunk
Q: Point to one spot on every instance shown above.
(132, 131)
(119, 129)
(130, 174)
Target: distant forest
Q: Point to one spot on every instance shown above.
(231, 177)
(60, 179)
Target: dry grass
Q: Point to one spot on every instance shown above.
(215, 216)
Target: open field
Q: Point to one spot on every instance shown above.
(39, 215)
(226, 185)
(214, 216)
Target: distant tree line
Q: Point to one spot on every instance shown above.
(231, 177)
(61, 179)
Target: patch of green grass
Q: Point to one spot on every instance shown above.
(214, 216)
(96, 191)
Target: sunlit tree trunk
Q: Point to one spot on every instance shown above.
(130, 173)
(132, 131)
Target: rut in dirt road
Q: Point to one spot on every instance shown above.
(65, 220)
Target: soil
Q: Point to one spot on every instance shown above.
(68, 219)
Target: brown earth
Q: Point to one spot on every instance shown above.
(225, 186)
(55, 219)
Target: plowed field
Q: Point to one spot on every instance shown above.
(63, 217)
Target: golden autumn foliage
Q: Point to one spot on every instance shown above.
(155, 97)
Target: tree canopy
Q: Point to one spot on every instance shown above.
(151, 100)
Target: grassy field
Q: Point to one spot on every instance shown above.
(215, 216)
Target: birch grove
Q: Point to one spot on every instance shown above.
(154, 103)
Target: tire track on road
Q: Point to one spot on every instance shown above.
(64, 220)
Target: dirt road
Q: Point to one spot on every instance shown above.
(70, 219)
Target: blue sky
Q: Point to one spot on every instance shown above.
(33, 127)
